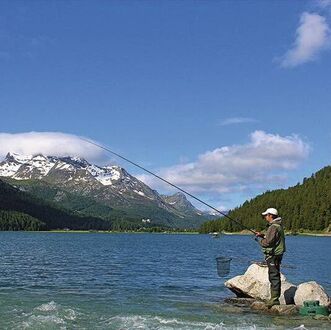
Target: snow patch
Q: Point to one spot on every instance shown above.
(105, 175)
(64, 166)
(139, 192)
(9, 169)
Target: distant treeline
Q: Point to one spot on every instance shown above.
(306, 206)
(11, 220)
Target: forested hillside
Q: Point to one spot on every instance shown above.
(20, 211)
(12, 220)
(306, 206)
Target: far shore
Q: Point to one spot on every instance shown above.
(243, 232)
(116, 232)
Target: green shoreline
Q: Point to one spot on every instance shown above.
(243, 233)
(114, 232)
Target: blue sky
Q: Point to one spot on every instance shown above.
(224, 98)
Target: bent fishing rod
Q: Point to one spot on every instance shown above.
(169, 183)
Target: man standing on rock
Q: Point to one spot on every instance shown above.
(273, 247)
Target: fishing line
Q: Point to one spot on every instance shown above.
(168, 182)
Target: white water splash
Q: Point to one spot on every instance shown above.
(48, 316)
(49, 307)
(159, 323)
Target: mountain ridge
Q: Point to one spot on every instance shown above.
(110, 185)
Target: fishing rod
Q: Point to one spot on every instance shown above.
(169, 183)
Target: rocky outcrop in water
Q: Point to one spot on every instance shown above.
(255, 284)
(253, 287)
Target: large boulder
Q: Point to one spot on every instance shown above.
(311, 291)
(255, 284)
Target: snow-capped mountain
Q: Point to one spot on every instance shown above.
(111, 185)
(21, 167)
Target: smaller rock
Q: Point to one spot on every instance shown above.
(259, 306)
(284, 309)
(276, 310)
(311, 291)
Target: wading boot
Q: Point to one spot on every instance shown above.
(274, 299)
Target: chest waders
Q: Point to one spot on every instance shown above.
(273, 263)
(273, 258)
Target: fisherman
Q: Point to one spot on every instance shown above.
(273, 247)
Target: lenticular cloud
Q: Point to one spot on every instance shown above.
(50, 144)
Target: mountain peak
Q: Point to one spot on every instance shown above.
(179, 195)
(15, 157)
(180, 202)
(75, 161)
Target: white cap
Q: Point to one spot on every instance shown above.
(270, 210)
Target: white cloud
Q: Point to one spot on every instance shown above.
(324, 3)
(237, 120)
(264, 160)
(312, 36)
(50, 144)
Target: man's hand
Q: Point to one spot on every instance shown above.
(258, 234)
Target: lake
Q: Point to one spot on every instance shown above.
(139, 281)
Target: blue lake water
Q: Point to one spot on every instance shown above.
(139, 281)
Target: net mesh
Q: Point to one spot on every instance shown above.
(223, 266)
